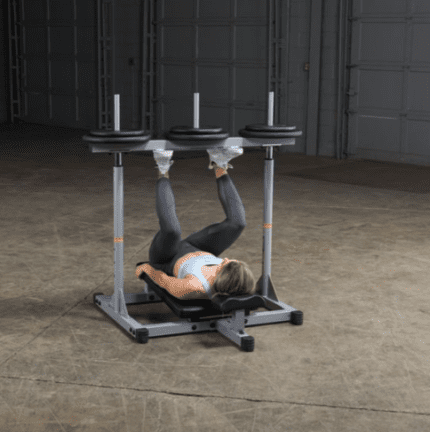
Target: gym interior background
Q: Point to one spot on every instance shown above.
(350, 235)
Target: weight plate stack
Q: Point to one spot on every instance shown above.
(204, 133)
(101, 136)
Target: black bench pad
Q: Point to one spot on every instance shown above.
(204, 307)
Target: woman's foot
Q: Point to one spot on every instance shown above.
(221, 156)
(164, 162)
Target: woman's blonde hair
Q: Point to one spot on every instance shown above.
(235, 279)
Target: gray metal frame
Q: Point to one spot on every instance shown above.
(231, 326)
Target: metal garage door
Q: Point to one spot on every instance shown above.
(218, 48)
(389, 110)
(57, 49)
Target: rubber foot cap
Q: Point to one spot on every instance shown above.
(142, 335)
(94, 298)
(297, 317)
(247, 343)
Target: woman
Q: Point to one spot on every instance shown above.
(190, 269)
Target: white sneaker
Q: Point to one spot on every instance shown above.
(162, 157)
(221, 156)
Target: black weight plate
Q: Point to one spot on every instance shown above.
(190, 137)
(277, 135)
(267, 128)
(204, 130)
(120, 133)
(140, 139)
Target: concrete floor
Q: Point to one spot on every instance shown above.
(351, 249)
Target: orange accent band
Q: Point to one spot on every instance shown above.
(118, 239)
(267, 226)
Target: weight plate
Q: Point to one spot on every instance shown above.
(192, 137)
(113, 133)
(117, 139)
(278, 135)
(267, 128)
(204, 130)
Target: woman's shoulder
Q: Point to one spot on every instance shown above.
(188, 288)
(193, 282)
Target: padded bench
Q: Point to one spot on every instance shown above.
(201, 308)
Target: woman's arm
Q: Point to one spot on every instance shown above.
(176, 287)
(155, 275)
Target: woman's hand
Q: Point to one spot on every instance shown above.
(147, 268)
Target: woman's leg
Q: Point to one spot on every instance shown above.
(166, 242)
(218, 237)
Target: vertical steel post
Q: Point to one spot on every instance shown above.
(269, 166)
(119, 304)
(196, 123)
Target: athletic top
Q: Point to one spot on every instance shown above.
(194, 266)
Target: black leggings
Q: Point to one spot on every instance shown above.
(168, 246)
